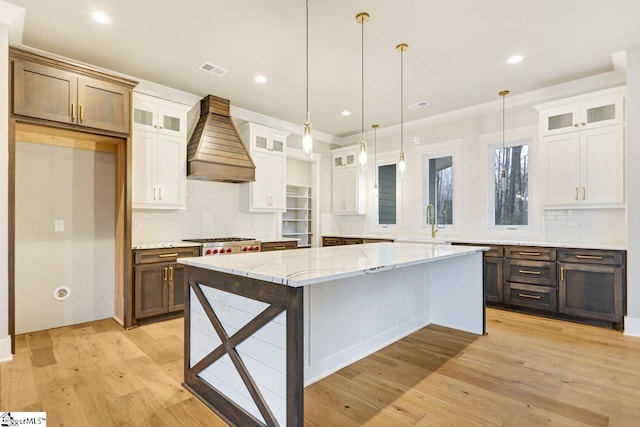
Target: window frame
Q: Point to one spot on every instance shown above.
(386, 159)
(516, 138)
(432, 151)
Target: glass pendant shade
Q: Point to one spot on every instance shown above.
(402, 165)
(307, 140)
(362, 157)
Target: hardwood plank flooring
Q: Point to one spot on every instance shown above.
(527, 371)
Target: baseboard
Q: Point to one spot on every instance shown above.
(632, 326)
(5, 350)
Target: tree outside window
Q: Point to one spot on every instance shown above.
(511, 185)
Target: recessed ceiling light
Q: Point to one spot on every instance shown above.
(100, 17)
(260, 79)
(515, 59)
(346, 113)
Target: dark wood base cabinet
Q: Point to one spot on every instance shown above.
(159, 282)
(583, 285)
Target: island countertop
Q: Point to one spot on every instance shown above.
(303, 267)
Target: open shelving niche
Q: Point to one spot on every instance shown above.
(296, 220)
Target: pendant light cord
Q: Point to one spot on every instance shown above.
(375, 154)
(503, 149)
(401, 101)
(362, 76)
(307, 54)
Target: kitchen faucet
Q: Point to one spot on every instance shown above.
(431, 219)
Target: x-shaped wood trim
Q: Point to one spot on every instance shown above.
(228, 346)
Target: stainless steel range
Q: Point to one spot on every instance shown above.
(226, 245)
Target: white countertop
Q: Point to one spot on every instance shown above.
(164, 245)
(316, 265)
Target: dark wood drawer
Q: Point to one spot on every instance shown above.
(532, 296)
(530, 252)
(494, 252)
(532, 272)
(591, 256)
(351, 241)
(331, 241)
(278, 246)
(148, 256)
(377, 240)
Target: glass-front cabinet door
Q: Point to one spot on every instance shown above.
(601, 112)
(561, 119)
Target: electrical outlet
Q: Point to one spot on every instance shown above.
(58, 225)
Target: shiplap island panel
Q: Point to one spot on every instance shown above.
(259, 327)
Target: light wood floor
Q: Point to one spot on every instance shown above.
(528, 371)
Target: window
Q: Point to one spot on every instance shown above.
(511, 185)
(387, 198)
(440, 184)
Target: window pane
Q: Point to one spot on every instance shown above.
(387, 194)
(511, 178)
(441, 188)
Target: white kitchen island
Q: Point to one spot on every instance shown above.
(259, 327)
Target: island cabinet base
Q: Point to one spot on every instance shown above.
(252, 345)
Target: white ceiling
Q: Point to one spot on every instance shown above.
(456, 57)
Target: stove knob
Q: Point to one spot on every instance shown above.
(215, 251)
(228, 250)
(208, 252)
(257, 248)
(244, 249)
(251, 248)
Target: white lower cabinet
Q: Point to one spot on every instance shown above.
(159, 154)
(585, 167)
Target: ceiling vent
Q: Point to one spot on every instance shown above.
(213, 69)
(418, 105)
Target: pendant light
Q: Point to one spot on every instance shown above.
(307, 139)
(361, 19)
(402, 164)
(503, 94)
(375, 159)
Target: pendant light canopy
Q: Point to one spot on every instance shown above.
(361, 19)
(375, 159)
(503, 94)
(307, 139)
(402, 164)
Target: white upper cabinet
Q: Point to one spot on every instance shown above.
(347, 183)
(583, 160)
(159, 153)
(268, 148)
(603, 108)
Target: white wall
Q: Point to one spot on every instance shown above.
(632, 322)
(471, 133)
(78, 188)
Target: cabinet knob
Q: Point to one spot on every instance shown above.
(584, 123)
(575, 125)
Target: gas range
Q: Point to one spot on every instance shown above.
(226, 245)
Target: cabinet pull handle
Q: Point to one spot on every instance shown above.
(576, 193)
(168, 255)
(165, 273)
(561, 274)
(160, 193)
(155, 193)
(81, 113)
(529, 296)
(584, 193)
(171, 273)
(529, 253)
(73, 112)
(279, 248)
(588, 256)
(537, 273)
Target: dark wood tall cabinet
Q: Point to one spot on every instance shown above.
(492, 274)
